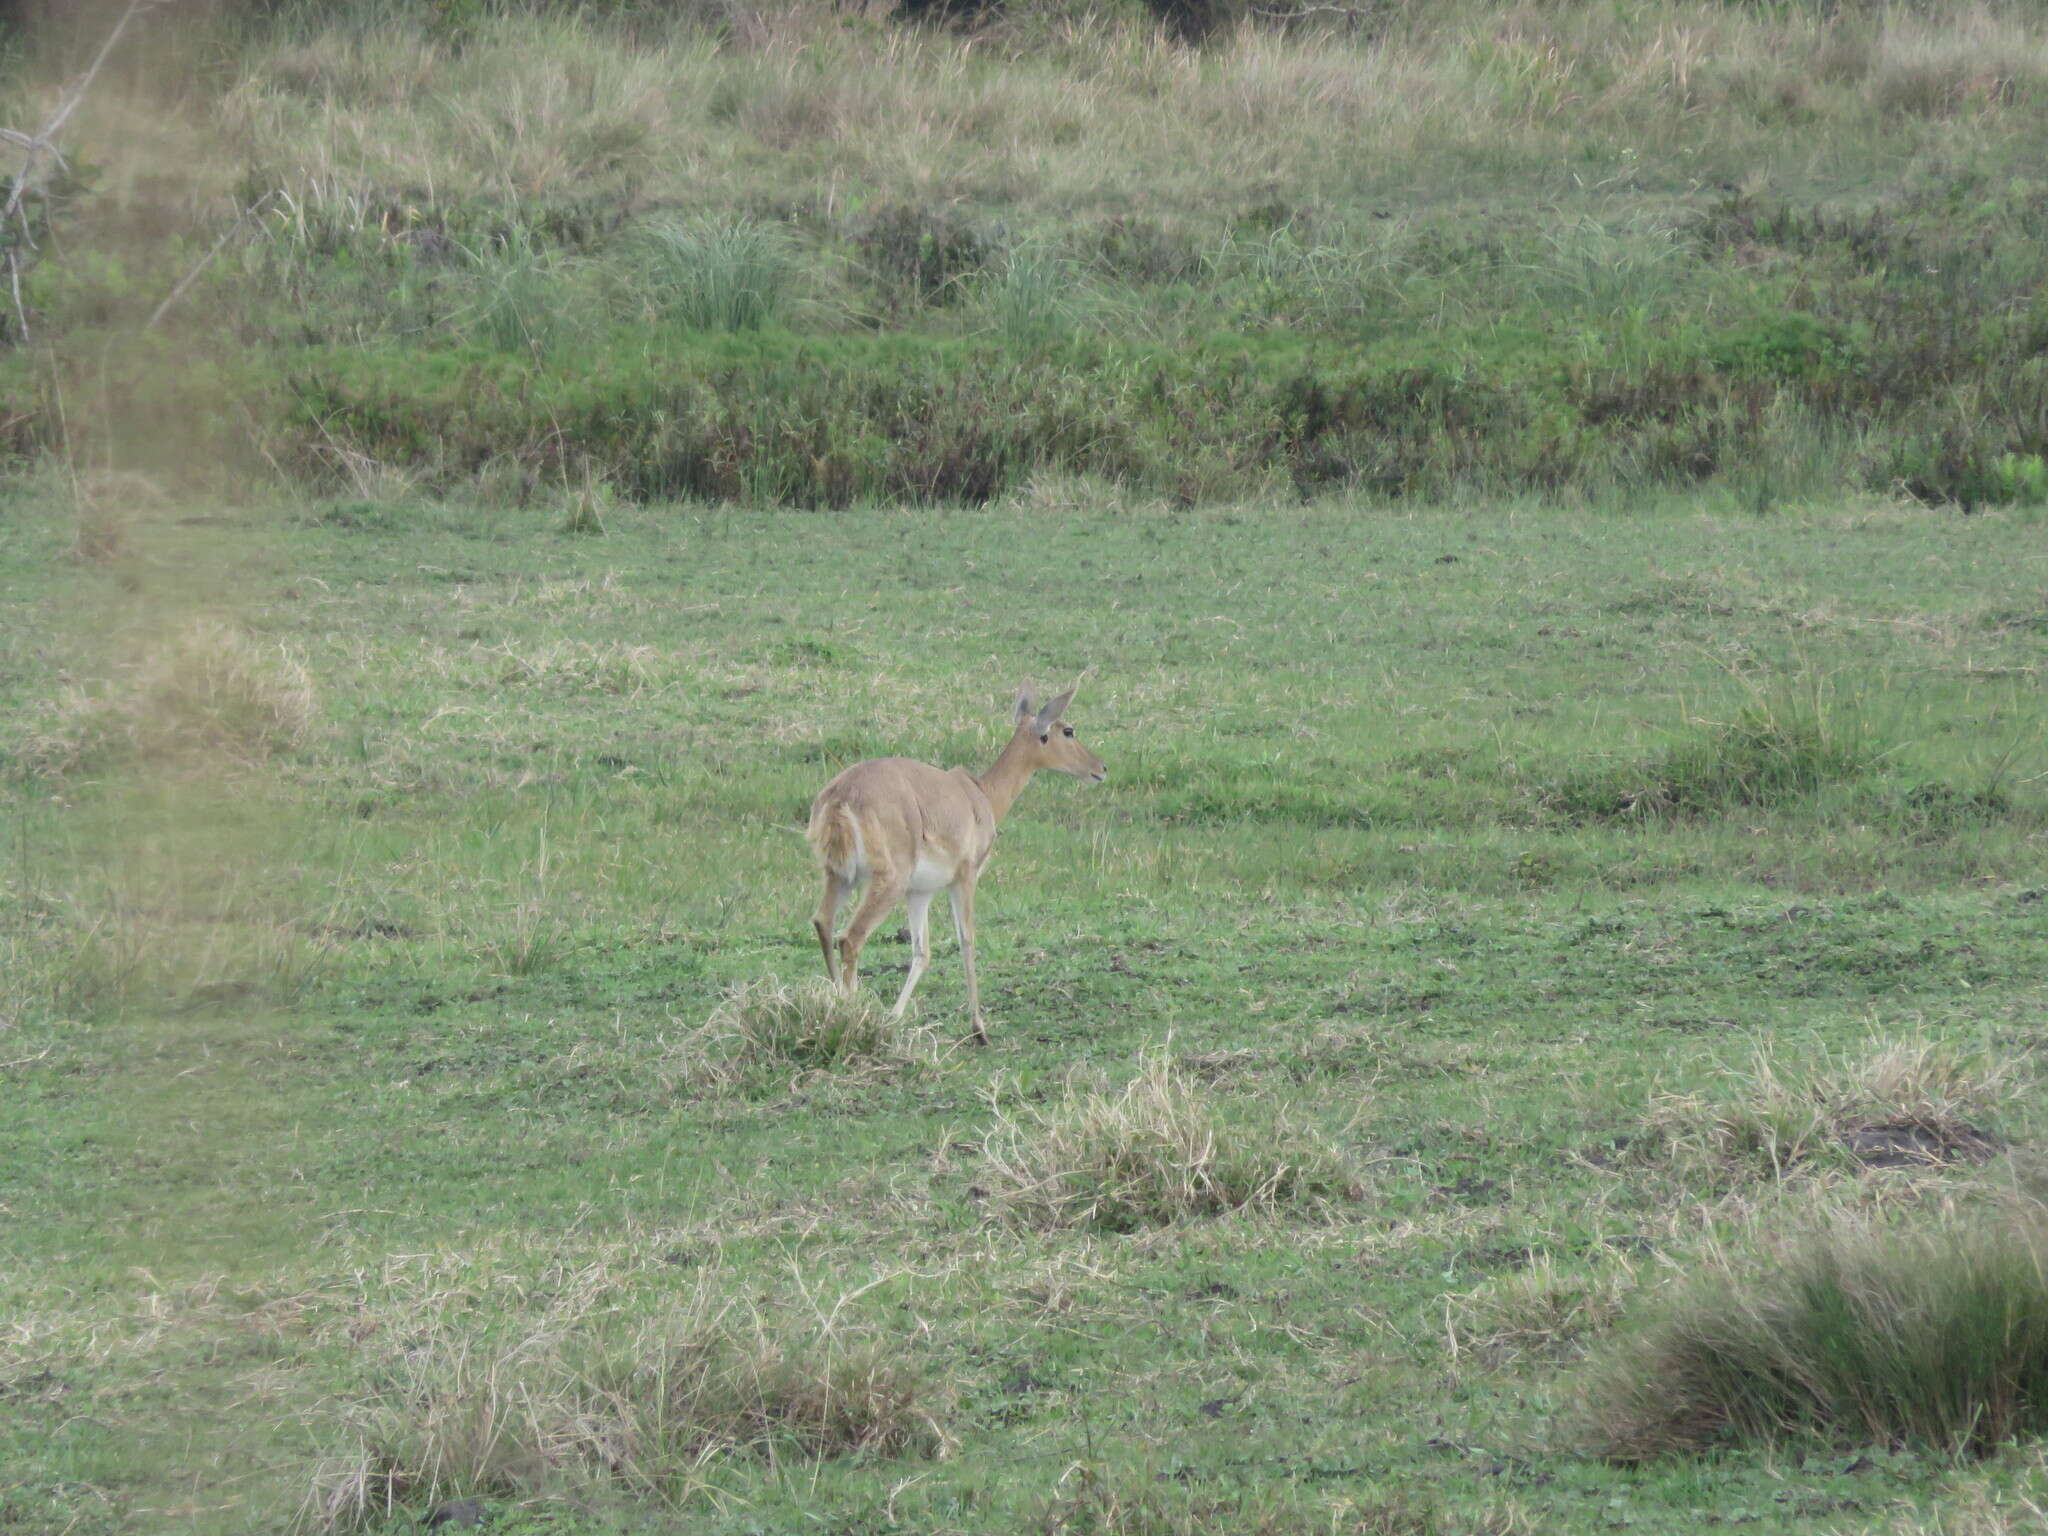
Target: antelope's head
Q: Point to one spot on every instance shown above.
(1052, 742)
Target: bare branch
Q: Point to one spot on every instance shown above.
(34, 146)
(14, 283)
(39, 144)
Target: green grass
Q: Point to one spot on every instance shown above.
(404, 1052)
(712, 276)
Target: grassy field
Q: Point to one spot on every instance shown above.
(363, 1109)
(1540, 1028)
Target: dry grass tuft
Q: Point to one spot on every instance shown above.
(774, 1027)
(653, 1414)
(1156, 1150)
(1542, 1312)
(1915, 1101)
(207, 690)
(586, 507)
(1931, 1331)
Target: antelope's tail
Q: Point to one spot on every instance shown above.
(835, 837)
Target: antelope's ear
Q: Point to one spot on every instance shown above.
(1025, 708)
(1053, 711)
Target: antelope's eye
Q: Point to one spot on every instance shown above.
(1066, 730)
(1044, 738)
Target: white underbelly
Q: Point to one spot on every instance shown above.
(931, 875)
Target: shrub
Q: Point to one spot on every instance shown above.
(1934, 1334)
(1154, 1151)
(1407, 365)
(2022, 478)
(770, 419)
(924, 251)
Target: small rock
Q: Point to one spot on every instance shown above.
(456, 1514)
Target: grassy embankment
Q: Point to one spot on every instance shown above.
(820, 259)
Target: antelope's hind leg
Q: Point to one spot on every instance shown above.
(836, 891)
(885, 889)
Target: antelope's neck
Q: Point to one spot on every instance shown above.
(1007, 776)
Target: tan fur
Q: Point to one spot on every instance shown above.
(831, 835)
(907, 831)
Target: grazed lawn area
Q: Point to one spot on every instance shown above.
(356, 1114)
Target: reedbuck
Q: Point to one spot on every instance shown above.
(909, 830)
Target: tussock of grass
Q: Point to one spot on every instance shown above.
(1780, 747)
(206, 690)
(1542, 1312)
(522, 302)
(710, 274)
(775, 1027)
(1913, 1100)
(652, 1414)
(586, 507)
(1156, 1150)
(1935, 1335)
(1035, 296)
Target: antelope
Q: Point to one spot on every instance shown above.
(908, 830)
